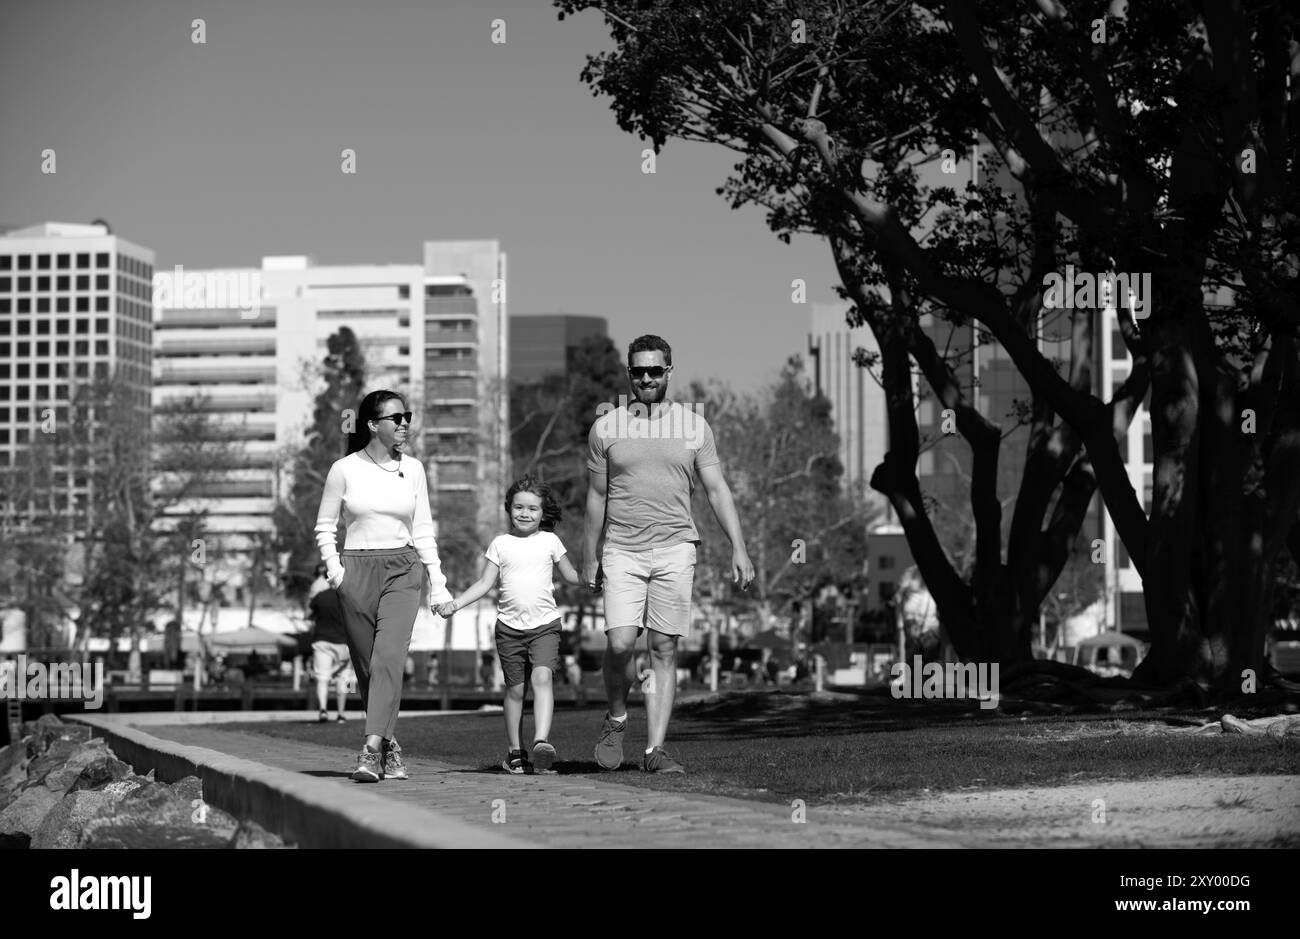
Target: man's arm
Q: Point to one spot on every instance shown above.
(724, 509)
(593, 524)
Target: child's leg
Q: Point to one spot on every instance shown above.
(543, 703)
(514, 705)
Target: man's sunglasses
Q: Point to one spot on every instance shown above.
(654, 371)
(398, 418)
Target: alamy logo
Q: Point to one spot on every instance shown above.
(75, 892)
(1085, 291)
(952, 680)
(211, 290)
(632, 421)
(56, 681)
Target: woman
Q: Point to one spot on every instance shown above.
(389, 546)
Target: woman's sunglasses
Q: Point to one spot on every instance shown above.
(399, 418)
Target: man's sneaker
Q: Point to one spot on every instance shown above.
(514, 762)
(369, 766)
(543, 757)
(394, 765)
(658, 761)
(323, 717)
(609, 748)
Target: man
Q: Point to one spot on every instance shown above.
(330, 656)
(643, 462)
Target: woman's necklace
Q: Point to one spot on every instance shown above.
(398, 471)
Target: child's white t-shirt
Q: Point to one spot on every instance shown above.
(527, 598)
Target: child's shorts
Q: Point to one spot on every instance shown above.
(521, 650)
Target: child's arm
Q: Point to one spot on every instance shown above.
(474, 593)
(567, 571)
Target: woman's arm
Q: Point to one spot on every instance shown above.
(426, 544)
(327, 523)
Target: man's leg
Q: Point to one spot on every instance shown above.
(620, 650)
(662, 689)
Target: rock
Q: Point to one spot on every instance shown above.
(254, 836)
(11, 756)
(58, 753)
(49, 728)
(21, 818)
(101, 772)
(11, 783)
(121, 788)
(153, 816)
(189, 788)
(63, 826)
(85, 755)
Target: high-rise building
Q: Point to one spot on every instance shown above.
(542, 345)
(250, 340)
(857, 400)
(74, 307)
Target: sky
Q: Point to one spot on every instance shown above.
(216, 154)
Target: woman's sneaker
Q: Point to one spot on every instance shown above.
(543, 757)
(369, 766)
(514, 762)
(323, 717)
(394, 765)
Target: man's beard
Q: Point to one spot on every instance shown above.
(655, 396)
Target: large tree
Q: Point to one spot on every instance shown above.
(343, 372)
(1157, 138)
(803, 528)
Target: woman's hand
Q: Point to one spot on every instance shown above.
(445, 609)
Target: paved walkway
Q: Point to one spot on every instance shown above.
(573, 810)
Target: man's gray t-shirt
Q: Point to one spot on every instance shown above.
(651, 466)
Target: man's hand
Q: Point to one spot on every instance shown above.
(591, 575)
(742, 571)
(445, 609)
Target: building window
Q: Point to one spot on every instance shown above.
(61, 305)
(64, 262)
(83, 304)
(61, 348)
(24, 283)
(83, 260)
(43, 283)
(83, 281)
(24, 305)
(24, 262)
(63, 282)
(42, 304)
(6, 262)
(101, 282)
(101, 325)
(101, 259)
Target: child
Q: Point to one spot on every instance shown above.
(528, 623)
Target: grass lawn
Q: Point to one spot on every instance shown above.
(775, 746)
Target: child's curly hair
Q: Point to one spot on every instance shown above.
(551, 513)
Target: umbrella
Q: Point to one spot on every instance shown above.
(252, 639)
(768, 639)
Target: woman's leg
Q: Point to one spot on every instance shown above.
(360, 601)
(402, 577)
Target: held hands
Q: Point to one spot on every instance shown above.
(445, 609)
(591, 576)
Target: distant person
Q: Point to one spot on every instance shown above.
(485, 670)
(528, 621)
(331, 660)
(390, 556)
(435, 675)
(643, 463)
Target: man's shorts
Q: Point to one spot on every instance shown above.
(331, 660)
(521, 650)
(649, 587)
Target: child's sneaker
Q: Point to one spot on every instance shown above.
(543, 757)
(514, 762)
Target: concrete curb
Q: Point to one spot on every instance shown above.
(308, 812)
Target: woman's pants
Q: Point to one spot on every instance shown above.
(381, 593)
